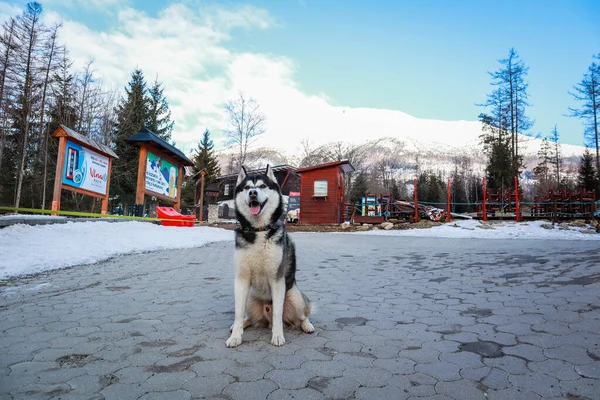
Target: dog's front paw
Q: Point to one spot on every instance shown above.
(307, 326)
(234, 341)
(277, 340)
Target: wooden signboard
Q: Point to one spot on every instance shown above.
(160, 176)
(160, 168)
(83, 166)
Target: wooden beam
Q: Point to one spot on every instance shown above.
(104, 209)
(83, 191)
(202, 175)
(141, 178)
(177, 199)
(60, 163)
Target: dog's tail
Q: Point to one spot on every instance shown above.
(309, 307)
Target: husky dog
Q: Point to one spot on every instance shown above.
(265, 262)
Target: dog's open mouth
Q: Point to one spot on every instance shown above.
(256, 207)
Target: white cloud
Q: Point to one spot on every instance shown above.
(186, 49)
(8, 10)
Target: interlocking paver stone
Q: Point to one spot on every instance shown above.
(442, 371)
(396, 318)
(297, 394)
(512, 393)
(590, 370)
(466, 390)
(496, 379)
(542, 384)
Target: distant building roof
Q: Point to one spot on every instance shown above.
(147, 136)
(213, 187)
(86, 140)
(343, 164)
(283, 167)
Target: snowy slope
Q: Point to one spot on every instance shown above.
(286, 130)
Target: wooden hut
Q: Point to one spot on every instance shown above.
(322, 190)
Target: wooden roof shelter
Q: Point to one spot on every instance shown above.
(322, 190)
(160, 168)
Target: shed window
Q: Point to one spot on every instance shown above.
(320, 188)
(226, 191)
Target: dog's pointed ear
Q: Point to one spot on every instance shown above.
(241, 176)
(270, 174)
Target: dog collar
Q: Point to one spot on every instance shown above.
(273, 226)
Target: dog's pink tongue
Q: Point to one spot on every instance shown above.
(255, 210)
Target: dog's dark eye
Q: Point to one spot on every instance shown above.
(263, 186)
(246, 187)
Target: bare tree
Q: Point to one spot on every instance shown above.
(244, 123)
(85, 85)
(587, 91)
(7, 41)
(29, 30)
(556, 153)
(43, 133)
(108, 116)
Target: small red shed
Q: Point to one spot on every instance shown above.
(322, 193)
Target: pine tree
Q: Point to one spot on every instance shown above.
(159, 115)
(132, 115)
(555, 161)
(497, 147)
(395, 190)
(588, 177)
(588, 93)
(360, 186)
(542, 171)
(431, 188)
(509, 103)
(206, 159)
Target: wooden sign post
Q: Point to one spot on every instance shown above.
(83, 166)
(199, 195)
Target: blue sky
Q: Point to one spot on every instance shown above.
(426, 58)
(430, 58)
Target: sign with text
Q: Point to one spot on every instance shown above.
(85, 169)
(293, 201)
(161, 176)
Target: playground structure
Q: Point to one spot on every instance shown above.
(375, 209)
(499, 204)
(565, 204)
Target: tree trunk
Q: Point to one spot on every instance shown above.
(595, 112)
(26, 106)
(45, 136)
(5, 63)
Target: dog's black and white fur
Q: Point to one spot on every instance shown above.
(265, 260)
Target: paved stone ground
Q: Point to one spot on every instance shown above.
(396, 318)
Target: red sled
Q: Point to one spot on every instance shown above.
(170, 217)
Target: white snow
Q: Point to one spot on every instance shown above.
(472, 229)
(10, 217)
(26, 249)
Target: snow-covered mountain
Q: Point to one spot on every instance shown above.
(430, 144)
